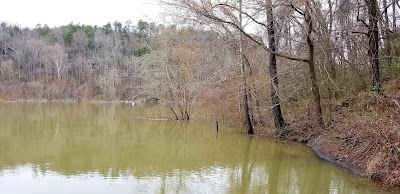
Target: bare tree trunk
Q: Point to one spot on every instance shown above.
(394, 26)
(182, 112)
(387, 34)
(246, 109)
(176, 116)
(245, 94)
(310, 43)
(187, 117)
(394, 14)
(332, 72)
(331, 55)
(373, 43)
(288, 40)
(273, 72)
(255, 108)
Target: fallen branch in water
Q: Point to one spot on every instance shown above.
(154, 119)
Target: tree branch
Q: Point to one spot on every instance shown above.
(358, 16)
(356, 32)
(298, 10)
(259, 43)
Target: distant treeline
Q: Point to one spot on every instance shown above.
(112, 62)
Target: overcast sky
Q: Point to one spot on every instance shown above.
(28, 13)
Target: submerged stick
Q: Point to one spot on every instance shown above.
(216, 122)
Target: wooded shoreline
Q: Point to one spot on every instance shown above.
(326, 73)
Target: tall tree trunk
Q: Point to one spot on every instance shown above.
(288, 40)
(331, 55)
(245, 100)
(273, 72)
(245, 92)
(394, 26)
(394, 14)
(310, 43)
(387, 34)
(254, 109)
(373, 43)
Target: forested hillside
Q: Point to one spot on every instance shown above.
(112, 62)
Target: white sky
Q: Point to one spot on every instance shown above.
(28, 13)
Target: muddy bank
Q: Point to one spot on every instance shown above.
(343, 152)
(364, 138)
(322, 153)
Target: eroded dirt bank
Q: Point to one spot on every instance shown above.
(363, 137)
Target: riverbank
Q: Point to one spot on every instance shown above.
(363, 136)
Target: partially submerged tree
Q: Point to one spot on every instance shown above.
(244, 74)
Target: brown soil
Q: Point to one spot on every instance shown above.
(364, 136)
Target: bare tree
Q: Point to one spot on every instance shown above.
(224, 13)
(244, 75)
(310, 42)
(273, 72)
(373, 41)
(56, 57)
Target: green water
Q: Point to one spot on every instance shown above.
(101, 148)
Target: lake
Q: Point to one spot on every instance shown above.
(48, 148)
